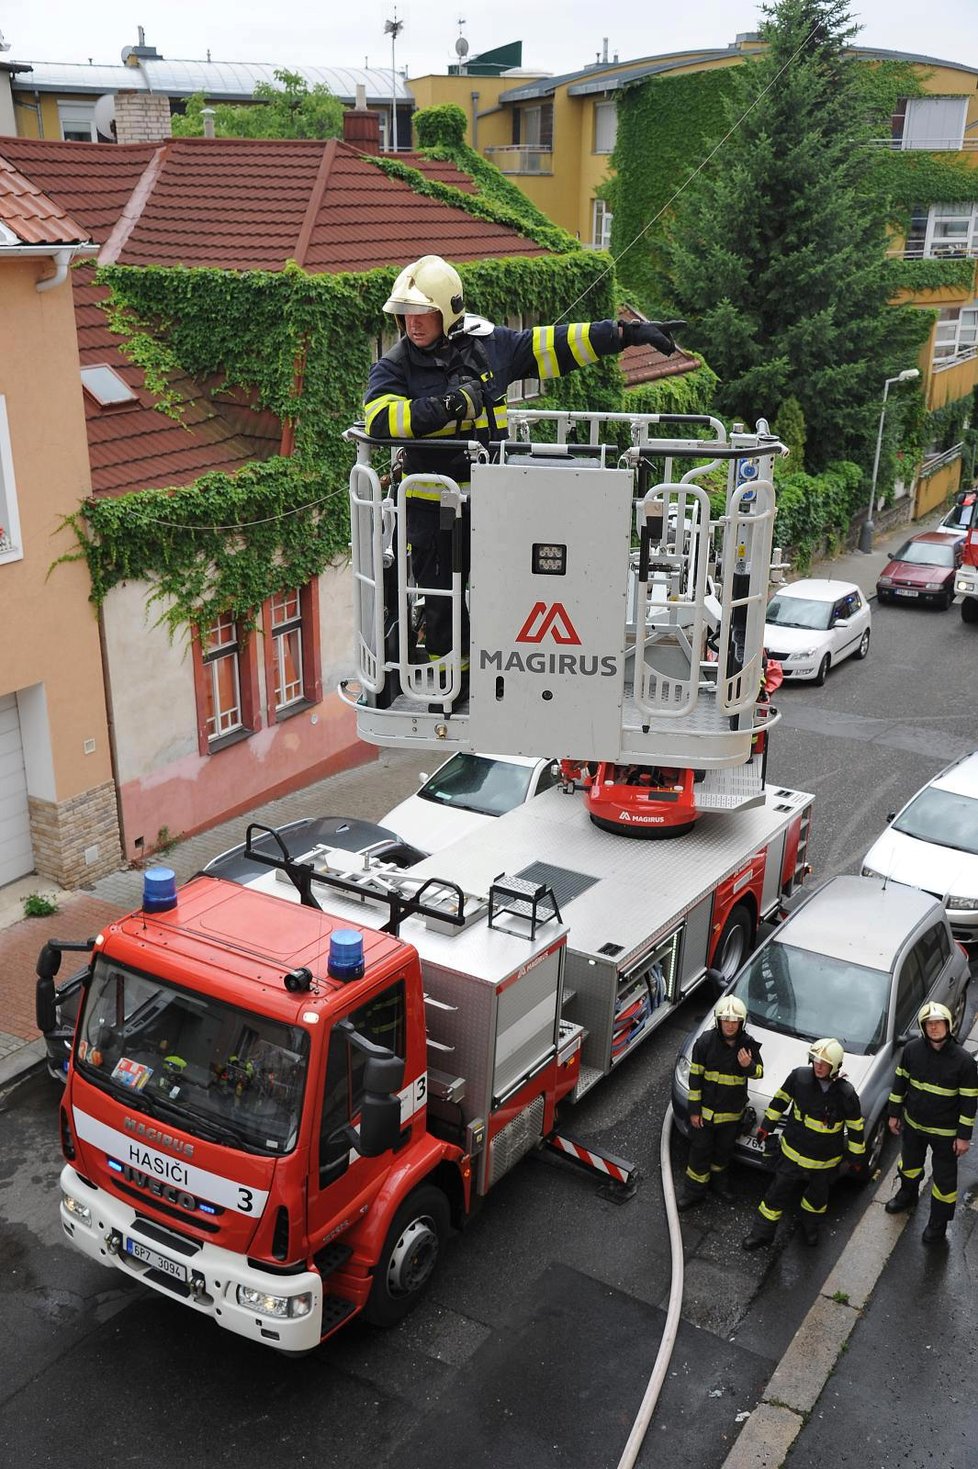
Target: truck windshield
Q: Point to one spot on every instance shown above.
(215, 1071)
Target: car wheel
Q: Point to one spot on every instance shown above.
(969, 609)
(957, 1014)
(409, 1257)
(945, 601)
(735, 942)
(875, 1144)
(823, 670)
(863, 648)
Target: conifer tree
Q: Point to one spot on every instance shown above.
(777, 248)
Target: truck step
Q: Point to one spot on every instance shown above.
(331, 1257)
(335, 1312)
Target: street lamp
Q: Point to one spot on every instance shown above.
(869, 529)
(393, 28)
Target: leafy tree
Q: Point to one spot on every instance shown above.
(777, 249)
(291, 110)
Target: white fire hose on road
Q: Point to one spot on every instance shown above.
(661, 1366)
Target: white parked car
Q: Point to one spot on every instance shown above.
(933, 844)
(466, 793)
(812, 625)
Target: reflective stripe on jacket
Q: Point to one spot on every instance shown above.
(717, 1081)
(819, 1123)
(936, 1090)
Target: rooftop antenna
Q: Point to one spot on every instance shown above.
(461, 48)
(393, 28)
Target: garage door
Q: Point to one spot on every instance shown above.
(16, 853)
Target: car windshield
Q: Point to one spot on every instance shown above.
(926, 553)
(943, 817)
(807, 995)
(799, 612)
(209, 1068)
(476, 783)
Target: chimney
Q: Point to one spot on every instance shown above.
(142, 117)
(208, 116)
(361, 127)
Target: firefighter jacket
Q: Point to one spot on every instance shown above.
(936, 1090)
(819, 1124)
(407, 386)
(717, 1081)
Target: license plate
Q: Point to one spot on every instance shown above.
(140, 1251)
(905, 592)
(751, 1144)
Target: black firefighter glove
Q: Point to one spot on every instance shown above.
(465, 401)
(657, 334)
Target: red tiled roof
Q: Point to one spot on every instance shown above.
(92, 181)
(253, 204)
(132, 446)
(31, 215)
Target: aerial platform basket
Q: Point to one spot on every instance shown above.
(615, 614)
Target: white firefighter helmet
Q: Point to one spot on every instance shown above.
(728, 1007)
(830, 1051)
(429, 284)
(934, 1011)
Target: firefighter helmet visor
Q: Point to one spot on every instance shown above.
(934, 1011)
(429, 284)
(830, 1051)
(728, 1007)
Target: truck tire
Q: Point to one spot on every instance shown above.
(969, 609)
(735, 942)
(409, 1257)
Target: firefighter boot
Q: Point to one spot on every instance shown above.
(904, 1198)
(935, 1232)
(809, 1229)
(760, 1235)
(720, 1184)
(690, 1198)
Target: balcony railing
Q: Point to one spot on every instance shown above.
(915, 251)
(933, 462)
(521, 158)
(932, 145)
(954, 359)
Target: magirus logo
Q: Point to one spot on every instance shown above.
(553, 620)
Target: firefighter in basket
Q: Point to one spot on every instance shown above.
(823, 1118)
(724, 1058)
(447, 378)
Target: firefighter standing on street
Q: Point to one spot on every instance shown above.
(724, 1058)
(447, 378)
(823, 1115)
(932, 1105)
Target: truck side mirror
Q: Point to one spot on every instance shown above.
(380, 1124)
(45, 1004)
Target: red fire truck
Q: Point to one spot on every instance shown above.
(274, 1113)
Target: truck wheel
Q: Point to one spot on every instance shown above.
(969, 609)
(408, 1259)
(734, 943)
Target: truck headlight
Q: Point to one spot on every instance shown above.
(953, 902)
(281, 1307)
(76, 1209)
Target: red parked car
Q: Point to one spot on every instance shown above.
(922, 570)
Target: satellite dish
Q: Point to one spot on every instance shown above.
(461, 47)
(105, 115)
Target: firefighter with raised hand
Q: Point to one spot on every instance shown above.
(724, 1059)
(932, 1105)
(823, 1120)
(447, 378)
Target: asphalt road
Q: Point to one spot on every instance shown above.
(534, 1344)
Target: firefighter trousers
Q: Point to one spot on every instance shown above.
(435, 548)
(944, 1166)
(788, 1182)
(710, 1147)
